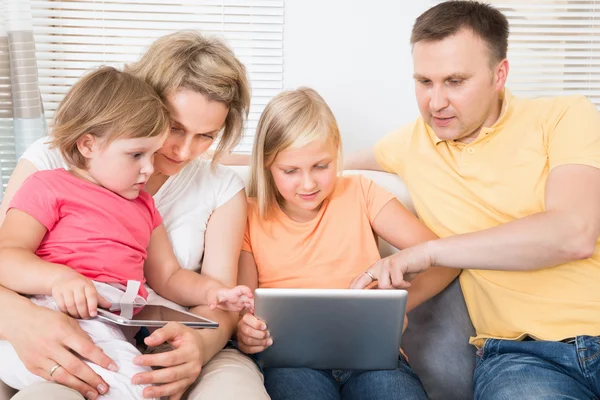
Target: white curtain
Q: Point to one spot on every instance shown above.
(21, 110)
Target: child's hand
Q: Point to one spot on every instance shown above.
(77, 296)
(236, 299)
(252, 334)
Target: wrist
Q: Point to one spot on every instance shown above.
(431, 250)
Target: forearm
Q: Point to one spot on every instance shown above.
(361, 159)
(24, 272)
(12, 308)
(534, 242)
(187, 288)
(213, 340)
(428, 284)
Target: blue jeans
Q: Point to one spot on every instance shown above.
(538, 370)
(306, 383)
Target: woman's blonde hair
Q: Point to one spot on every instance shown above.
(292, 119)
(189, 60)
(108, 104)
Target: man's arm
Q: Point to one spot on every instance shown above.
(362, 159)
(566, 231)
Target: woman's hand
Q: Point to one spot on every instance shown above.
(182, 365)
(45, 338)
(252, 334)
(77, 296)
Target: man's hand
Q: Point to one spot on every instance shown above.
(397, 270)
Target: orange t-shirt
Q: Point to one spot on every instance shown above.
(326, 252)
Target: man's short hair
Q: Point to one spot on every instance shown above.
(446, 19)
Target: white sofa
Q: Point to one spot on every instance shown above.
(436, 340)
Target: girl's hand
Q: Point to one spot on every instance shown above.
(236, 299)
(77, 296)
(181, 366)
(252, 334)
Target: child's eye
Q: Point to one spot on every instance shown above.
(136, 155)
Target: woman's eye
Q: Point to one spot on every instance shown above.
(322, 166)
(289, 171)
(206, 137)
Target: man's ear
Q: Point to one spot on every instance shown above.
(501, 74)
(87, 145)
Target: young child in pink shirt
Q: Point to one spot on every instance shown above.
(74, 238)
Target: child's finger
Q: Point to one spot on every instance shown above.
(103, 303)
(243, 290)
(92, 301)
(70, 304)
(60, 302)
(81, 303)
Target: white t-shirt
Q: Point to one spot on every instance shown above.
(185, 201)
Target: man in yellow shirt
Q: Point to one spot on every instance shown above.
(512, 187)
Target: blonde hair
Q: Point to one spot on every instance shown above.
(292, 119)
(108, 104)
(189, 60)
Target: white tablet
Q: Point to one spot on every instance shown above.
(332, 328)
(156, 315)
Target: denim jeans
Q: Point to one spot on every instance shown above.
(538, 370)
(306, 383)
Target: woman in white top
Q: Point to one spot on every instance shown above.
(203, 207)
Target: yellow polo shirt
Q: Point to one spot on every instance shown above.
(499, 177)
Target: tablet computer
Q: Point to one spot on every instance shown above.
(332, 328)
(156, 315)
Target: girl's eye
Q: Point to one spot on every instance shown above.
(175, 129)
(136, 155)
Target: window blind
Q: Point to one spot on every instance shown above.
(554, 47)
(74, 36)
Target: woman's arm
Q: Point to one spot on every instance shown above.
(21, 172)
(399, 227)
(194, 348)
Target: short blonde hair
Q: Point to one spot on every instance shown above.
(292, 119)
(189, 60)
(108, 104)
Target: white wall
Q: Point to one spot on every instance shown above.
(356, 54)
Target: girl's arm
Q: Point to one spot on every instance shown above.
(399, 227)
(20, 269)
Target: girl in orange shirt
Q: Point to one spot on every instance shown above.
(310, 227)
